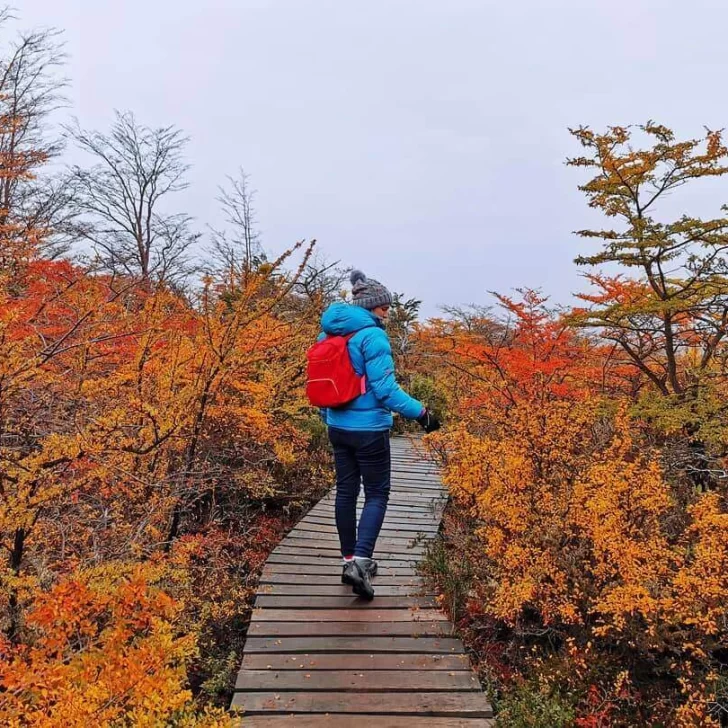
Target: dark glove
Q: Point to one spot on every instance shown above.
(428, 421)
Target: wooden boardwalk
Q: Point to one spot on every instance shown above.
(316, 655)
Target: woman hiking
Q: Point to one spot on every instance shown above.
(359, 430)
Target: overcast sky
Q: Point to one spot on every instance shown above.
(420, 140)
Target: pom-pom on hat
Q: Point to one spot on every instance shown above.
(367, 292)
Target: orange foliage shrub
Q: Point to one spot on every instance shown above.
(104, 646)
(144, 433)
(128, 419)
(582, 536)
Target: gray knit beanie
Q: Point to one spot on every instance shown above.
(367, 292)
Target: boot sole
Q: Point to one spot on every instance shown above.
(361, 590)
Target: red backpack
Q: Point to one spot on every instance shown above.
(330, 377)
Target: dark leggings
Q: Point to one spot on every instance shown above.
(361, 456)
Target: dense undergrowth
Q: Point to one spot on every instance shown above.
(585, 551)
(155, 440)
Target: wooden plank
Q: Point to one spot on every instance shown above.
(406, 525)
(331, 538)
(391, 530)
(301, 628)
(417, 459)
(334, 571)
(375, 680)
(400, 472)
(329, 535)
(329, 503)
(312, 548)
(295, 557)
(327, 538)
(415, 473)
(348, 661)
(409, 515)
(409, 461)
(323, 590)
(355, 661)
(404, 576)
(406, 464)
(415, 498)
(393, 511)
(404, 556)
(367, 645)
(342, 602)
(341, 720)
(461, 705)
(428, 522)
(401, 508)
(426, 517)
(349, 615)
(411, 470)
(328, 506)
(405, 449)
(333, 577)
(412, 488)
(391, 515)
(407, 487)
(330, 500)
(412, 503)
(324, 525)
(331, 548)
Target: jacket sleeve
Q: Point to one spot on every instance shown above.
(379, 371)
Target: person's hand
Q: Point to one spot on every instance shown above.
(428, 421)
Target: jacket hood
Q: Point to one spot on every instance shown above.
(342, 319)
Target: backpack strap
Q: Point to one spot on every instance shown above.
(362, 377)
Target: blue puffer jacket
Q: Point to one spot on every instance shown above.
(371, 355)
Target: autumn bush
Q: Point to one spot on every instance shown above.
(155, 444)
(139, 429)
(586, 459)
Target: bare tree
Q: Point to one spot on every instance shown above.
(403, 315)
(476, 320)
(31, 89)
(120, 199)
(237, 247)
(321, 281)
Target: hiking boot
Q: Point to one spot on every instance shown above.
(370, 566)
(356, 575)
